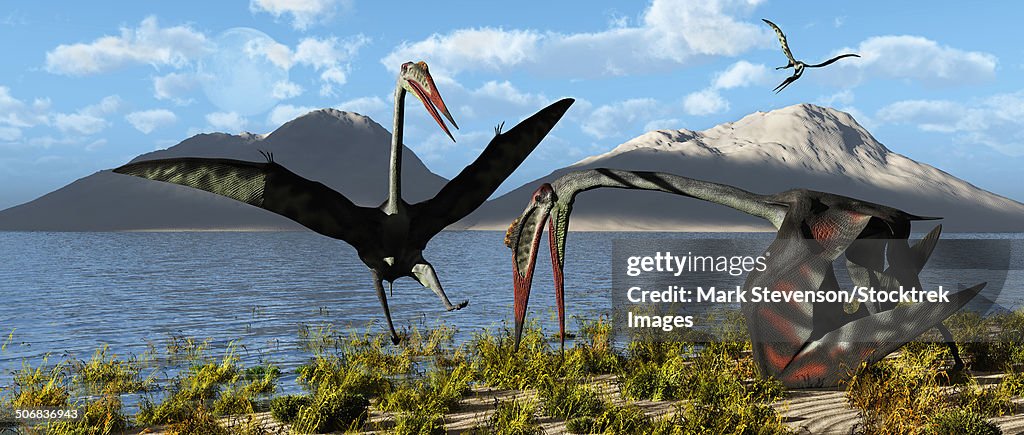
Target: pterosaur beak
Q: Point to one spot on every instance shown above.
(431, 98)
(524, 260)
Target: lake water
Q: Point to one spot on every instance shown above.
(67, 294)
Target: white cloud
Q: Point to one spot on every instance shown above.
(146, 44)
(663, 124)
(17, 113)
(174, 87)
(996, 121)
(670, 33)
(364, 105)
(304, 13)
(330, 56)
(285, 90)
(917, 58)
(283, 113)
(487, 48)
(703, 27)
(705, 102)
(229, 122)
(329, 52)
(844, 97)
(741, 74)
(148, 120)
(90, 119)
(9, 134)
(506, 92)
(610, 119)
(79, 123)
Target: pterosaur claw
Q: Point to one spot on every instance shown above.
(424, 273)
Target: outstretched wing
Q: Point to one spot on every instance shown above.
(480, 179)
(828, 62)
(782, 41)
(269, 186)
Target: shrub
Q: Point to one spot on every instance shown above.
(285, 408)
(963, 421)
(330, 412)
(516, 417)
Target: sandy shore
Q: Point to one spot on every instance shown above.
(807, 411)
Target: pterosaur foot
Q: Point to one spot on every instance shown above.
(784, 83)
(424, 273)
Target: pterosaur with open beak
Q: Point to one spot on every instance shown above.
(389, 239)
(797, 65)
(800, 343)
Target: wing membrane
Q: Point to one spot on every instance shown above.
(269, 186)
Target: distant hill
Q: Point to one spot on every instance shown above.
(798, 146)
(346, 151)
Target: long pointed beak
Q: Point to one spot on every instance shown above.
(557, 264)
(522, 278)
(432, 100)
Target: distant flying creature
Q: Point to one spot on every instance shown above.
(800, 343)
(389, 239)
(798, 66)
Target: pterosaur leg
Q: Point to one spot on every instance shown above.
(379, 284)
(424, 273)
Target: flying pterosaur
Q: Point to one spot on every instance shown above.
(389, 239)
(797, 65)
(801, 344)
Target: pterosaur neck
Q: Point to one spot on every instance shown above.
(395, 170)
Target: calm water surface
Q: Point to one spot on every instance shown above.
(67, 294)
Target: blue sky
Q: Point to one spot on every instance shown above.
(85, 88)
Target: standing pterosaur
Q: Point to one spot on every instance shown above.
(389, 239)
(801, 344)
(797, 65)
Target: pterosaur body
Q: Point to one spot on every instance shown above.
(797, 65)
(800, 343)
(389, 239)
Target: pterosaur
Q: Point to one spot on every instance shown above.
(389, 239)
(797, 65)
(801, 344)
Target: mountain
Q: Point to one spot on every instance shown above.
(798, 146)
(346, 151)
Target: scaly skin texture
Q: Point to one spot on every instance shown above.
(801, 344)
(389, 239)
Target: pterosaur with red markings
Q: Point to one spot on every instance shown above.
(800, 343)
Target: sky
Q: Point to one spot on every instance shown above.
(85, 88)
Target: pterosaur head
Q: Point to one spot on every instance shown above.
(415, 78)
(523, 237)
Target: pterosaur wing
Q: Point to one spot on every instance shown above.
(782, 41)
(268, 186)
(829, 62)
(480, 179)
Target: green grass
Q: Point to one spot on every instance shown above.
(416, 385)
(515, 417)
(107, 373)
